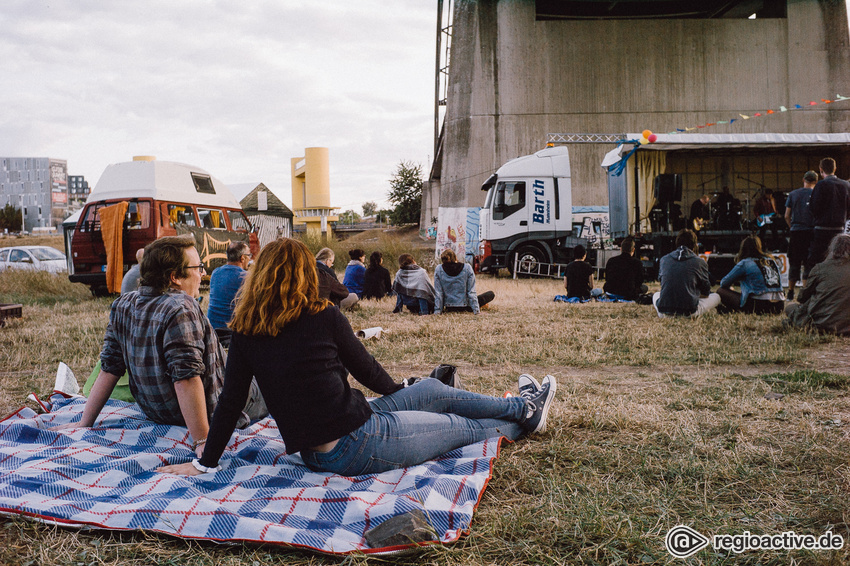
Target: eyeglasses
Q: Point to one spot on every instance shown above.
(200, 267)
(249, 256)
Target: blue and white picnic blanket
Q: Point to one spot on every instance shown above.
(104, 477)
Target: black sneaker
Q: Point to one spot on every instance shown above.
(790, 295)
(527, 385)
(538, 405)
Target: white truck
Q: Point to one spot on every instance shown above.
(528, 213)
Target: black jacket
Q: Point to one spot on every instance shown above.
(830, 203)
(623, 276)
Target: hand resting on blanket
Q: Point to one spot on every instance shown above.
(186, 469)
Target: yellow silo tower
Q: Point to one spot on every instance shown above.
(311, 192)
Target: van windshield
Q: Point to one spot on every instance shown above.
(238, 221)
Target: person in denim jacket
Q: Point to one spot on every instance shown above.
(758, 276)
(454, 283)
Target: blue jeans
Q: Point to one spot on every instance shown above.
(417, 424)
(413, 304)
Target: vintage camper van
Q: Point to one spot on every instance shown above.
(163, 199)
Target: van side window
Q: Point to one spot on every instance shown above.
(509, 198)
(179, 214)
(138, 215)
(211, 218)
(238, 221)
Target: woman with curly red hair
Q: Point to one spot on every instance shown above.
(301, 350)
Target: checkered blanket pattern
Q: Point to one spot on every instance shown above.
(105, 477)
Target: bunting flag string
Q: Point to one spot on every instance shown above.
(838, 98)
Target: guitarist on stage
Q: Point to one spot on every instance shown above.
(700, 213)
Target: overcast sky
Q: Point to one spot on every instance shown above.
(233, 87)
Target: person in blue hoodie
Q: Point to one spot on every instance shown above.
(685, 283)
(758, 275)
(355, 272)
(454, 284)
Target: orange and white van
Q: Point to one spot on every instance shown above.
(163, 199)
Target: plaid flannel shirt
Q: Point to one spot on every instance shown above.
(160, 339)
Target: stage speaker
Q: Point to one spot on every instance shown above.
(668, 187)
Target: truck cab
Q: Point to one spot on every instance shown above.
(527, 214)
(163, 199)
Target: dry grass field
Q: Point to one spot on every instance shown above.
(657, 423)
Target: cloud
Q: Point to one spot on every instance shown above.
(236, 88)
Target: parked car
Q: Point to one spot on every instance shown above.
(43, 258)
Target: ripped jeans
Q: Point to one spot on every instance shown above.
(417, 424)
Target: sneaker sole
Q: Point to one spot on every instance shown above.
(553, 387)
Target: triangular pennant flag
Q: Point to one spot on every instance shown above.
(711, 124)
(770, 111)
(680, 130)
(783, 109)
(690, 129)
(757, 114)
(744, 117)
(700, 126)
(797, 106)
(839, 97)
(722, 122)
(825, 101)
(732, 120)
(813, 103)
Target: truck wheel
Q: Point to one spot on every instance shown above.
(529, 258)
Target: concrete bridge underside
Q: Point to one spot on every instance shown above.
(515, 76)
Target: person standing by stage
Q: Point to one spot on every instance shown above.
(799, 217)
(830, 206)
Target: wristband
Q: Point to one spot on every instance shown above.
(198, 443)
(203, 469)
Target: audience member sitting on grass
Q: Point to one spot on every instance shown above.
(131, 278)
(578, 278)
(413, 287)
(454, 285)
(377, 283)
(329, 286)
(160, 335)
(301, 353)
(824, 303)
(225, 283)
(355, 271)
(685, 284)
(758, 275)
(624, 273)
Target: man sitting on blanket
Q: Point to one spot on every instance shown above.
(161, 337)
